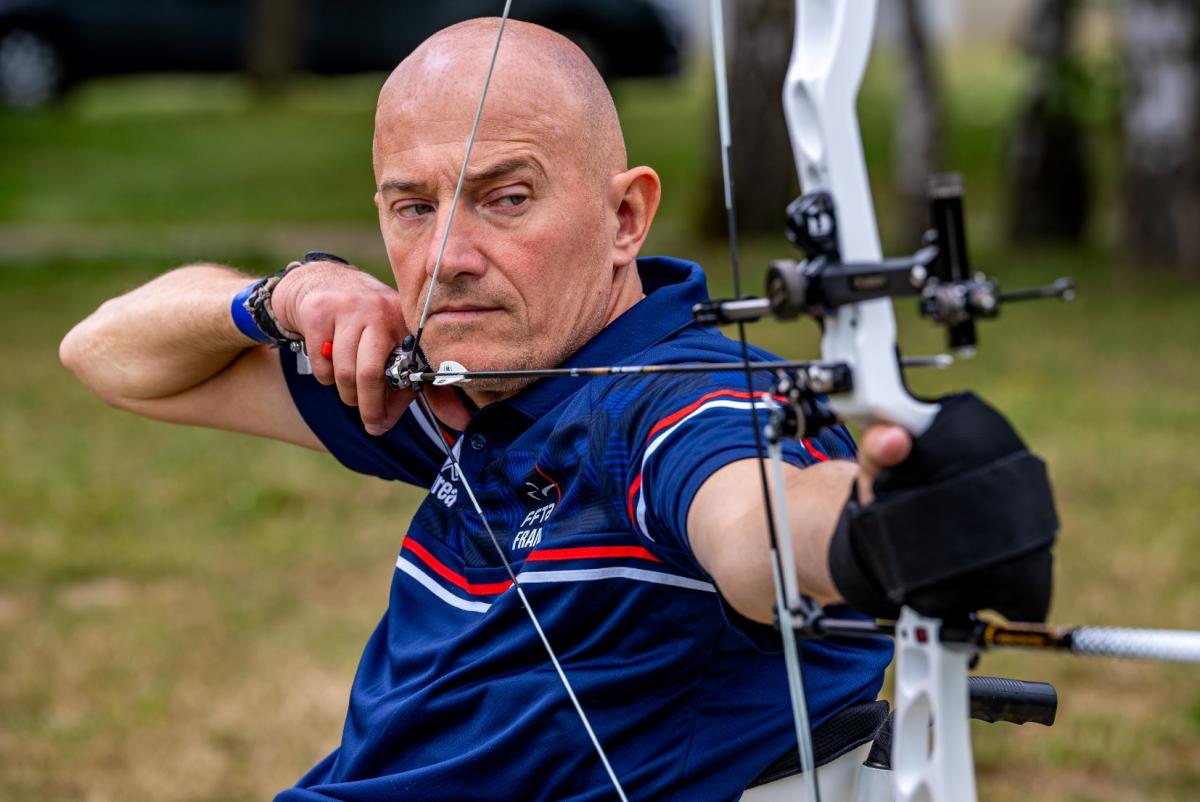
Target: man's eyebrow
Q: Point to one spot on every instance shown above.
(395, 185)
(503, 169)
(490, 173)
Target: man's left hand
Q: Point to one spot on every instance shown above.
(959, 520)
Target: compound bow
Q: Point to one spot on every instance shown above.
(846, 284)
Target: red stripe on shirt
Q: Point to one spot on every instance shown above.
(591, 552)
(675, 417)
(678, 415)
(814, 451)
(633, 489)
(458, 580)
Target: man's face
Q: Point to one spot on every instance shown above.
(526, 275)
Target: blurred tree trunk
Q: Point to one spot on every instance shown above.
(918, 134)
(274, 44)
(1162, 134)
(1050, 192)
(759, 43)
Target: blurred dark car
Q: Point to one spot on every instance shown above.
(46, 46)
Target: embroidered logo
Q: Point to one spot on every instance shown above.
(545, 494)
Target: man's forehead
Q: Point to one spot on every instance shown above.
(543, 92)
(440, 142)
(425, 119)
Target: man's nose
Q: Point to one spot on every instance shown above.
(459, 252)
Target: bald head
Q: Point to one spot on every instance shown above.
(543, 86)
(550, 218)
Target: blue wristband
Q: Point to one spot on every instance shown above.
(244, 320)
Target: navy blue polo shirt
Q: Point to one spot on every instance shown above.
(587, 484)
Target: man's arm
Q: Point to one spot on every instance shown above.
(169, 350)
(983, 539)
(727, 528)
(727, 524)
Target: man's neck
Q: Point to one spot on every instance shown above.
(627, 291)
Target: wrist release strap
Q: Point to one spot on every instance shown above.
(240, 312)
(251, 308)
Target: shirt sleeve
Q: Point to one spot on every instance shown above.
(409, 452)
(685, 432)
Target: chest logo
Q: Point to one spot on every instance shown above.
(543, 495)
(446, 490)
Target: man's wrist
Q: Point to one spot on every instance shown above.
(263, 309)
(239, 311)
(966, 522)
(253, 311)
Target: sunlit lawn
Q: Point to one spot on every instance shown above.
(181, 611)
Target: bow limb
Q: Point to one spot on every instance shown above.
(829, 55)
(832, 45)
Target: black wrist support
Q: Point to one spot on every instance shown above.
(965, 523)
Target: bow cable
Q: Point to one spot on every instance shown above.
(425, 405)
(780, 573)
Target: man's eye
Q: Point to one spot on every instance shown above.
(512, 200)
(414, 209)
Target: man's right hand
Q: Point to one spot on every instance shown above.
(364, 320)
(169, 350)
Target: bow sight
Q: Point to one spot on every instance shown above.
(939, 272)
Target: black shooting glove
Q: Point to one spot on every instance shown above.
(965, 523)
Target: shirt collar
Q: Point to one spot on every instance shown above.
(672, 287)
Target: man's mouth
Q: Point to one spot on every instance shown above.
(462, 313)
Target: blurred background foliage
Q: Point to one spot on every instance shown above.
(181, 611)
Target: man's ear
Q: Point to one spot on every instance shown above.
(633, 197)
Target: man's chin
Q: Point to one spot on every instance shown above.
(478, 353)
(488, 390)
(482, 354)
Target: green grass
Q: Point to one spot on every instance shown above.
(181, 611)
(192, 151)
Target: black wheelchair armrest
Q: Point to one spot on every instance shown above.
(845, 730)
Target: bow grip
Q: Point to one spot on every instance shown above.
(965, 523)
(1012, 700)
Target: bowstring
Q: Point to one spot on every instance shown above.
(537, 624)
(462, 175)
(428, 410)
(791, 653)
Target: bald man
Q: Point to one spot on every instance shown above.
(628, 506)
